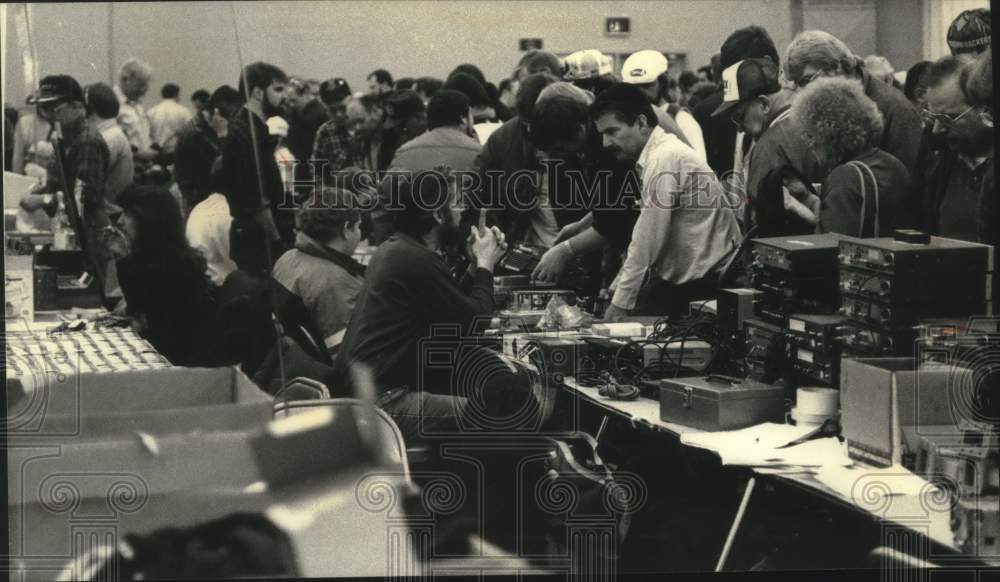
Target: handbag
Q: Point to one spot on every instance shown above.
(861, 168)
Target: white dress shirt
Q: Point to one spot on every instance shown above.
(134, 122)
(685, 227)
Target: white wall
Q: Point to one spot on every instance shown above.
(192, 43)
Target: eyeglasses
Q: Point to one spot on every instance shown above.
(948, 119)
(809, 78)
(52, 107)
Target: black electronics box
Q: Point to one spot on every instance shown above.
(823, 367)
(802, 255)
(714, 403)
(894, 318)
(775, 309)
(734, 306)
(787, 285)
(766, 353)
(819, 333)
(941, 256)
(866, 340)
(556, 357)
(912, 290)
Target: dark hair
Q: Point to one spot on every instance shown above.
(200, 95)
(944, 69)
(101, 100)
(417, 195)
(226, 100)
(627, 102)
(160, 227)
(915, 78)
(170, 91)
(528, 93)
(447, 108)
(752, 42)
(382, 77)
(540, 61)
(467, 84)
(404, 83)
(428, 86)
(666, 84)
(977, 81)
(505, 85)
(326, 221)
(370, 102)
(470, 69)
(259, 75)
(687, 80)
(557, 119)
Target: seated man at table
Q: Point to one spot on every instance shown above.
(686, 228)
(410, 293)
(317, 282)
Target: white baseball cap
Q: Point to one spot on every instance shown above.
(644, 67)
(587, 64)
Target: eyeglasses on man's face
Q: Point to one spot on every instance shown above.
(947, 119)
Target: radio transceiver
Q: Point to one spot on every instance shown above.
(806, 254)
(940, 256)
(911, 290)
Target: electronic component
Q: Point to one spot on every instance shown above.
(735, 306)
(814, 346)
(968, 459)
(788, 286)
(766, 357)
(521, 259)
(908, 235)
(537, 299)
(554, 357)
(806, 254)
(623, 329)
(866, 340)
(911, 290)
(895, 318)
(940, 256)
(824, 367)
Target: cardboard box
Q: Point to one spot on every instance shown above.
(880, 396)
(19, 287)
(129, 392)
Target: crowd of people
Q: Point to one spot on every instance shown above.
(206, 221)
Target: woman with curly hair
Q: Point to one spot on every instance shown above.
(864, 186)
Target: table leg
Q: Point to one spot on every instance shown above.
(600, 429)
(736, 525)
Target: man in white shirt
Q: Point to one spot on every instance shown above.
(133, 83)
(685, 228)
(167, 117)
(648, 71)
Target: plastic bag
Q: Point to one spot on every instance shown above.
(560, 315)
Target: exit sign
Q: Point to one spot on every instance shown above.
(531, 44)
(618, 26)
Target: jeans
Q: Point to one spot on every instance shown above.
(421, 414)
(660, 298)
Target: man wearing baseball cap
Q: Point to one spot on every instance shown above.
(750, 88)
(85, 157)
(648, 71)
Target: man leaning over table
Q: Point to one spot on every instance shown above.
(686, 227)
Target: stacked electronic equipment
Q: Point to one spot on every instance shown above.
(890, 286)
(797, 276)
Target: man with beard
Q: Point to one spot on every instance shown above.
(252, 182)
(409, 292)
(953, 177)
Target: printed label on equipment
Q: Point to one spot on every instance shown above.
(805, 355)
(796, 325)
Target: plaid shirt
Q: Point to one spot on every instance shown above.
(87, 160)
(334, 146)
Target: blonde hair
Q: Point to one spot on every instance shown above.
(135, 69)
